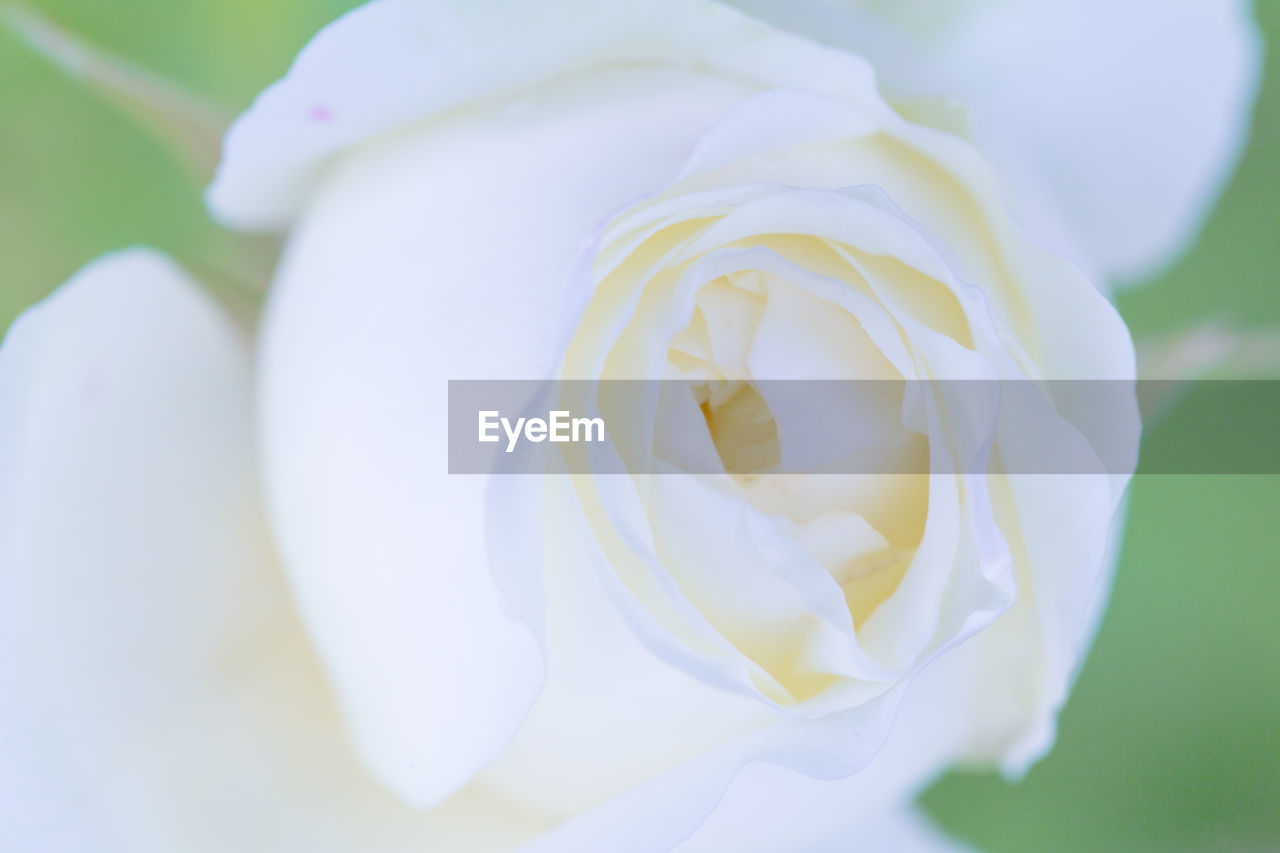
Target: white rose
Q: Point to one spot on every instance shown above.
(256, 613)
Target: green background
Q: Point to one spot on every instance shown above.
(1171, 740)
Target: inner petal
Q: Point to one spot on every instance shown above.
(752, 350)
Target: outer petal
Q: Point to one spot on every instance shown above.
(442, 253)
(391, 288)
(904, 830)
(613, 713)
(668, 809)
(900, 830)
(1130, 112)
(651, 758)
(152, 671)
(391, 63)
(813, 785)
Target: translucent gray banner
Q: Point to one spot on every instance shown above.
(863, 427)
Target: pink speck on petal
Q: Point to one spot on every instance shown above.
(320, 113)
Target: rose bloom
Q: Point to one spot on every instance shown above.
(247, 607)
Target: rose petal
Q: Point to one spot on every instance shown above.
(901, 829)
(162, 691)
(836, 776)
(445, 253)
(818, 820)
(1131, 114)
(620, 705)
(667, 809)
(391, 63)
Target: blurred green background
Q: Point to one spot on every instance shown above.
(1171, 740)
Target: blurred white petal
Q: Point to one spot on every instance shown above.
(1127, 115)
(443, 253)
(901, 831)
(768, 808)
(667, 809)
(391, 63)
(162, 691)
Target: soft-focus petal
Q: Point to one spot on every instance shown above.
(769, 808)
(442, 253)
(834, 778)
(652, 757)
(162, 688)
(667, 809)
(1130, 113)
(1065, 533)
(896, 831)
(613, 714)
(392, 63)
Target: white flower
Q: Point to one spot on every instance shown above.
(256, 613)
